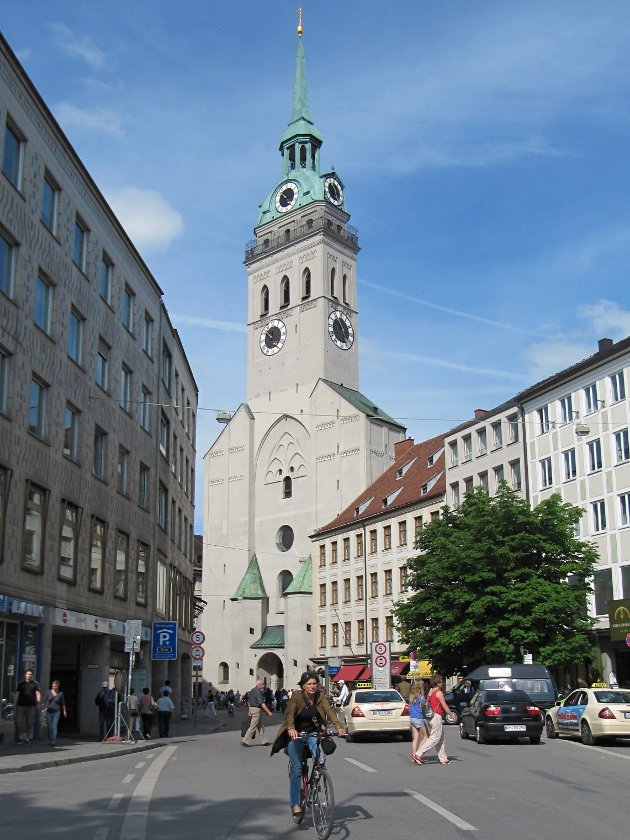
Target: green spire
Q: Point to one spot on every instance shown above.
(251, 586)
(301, 123)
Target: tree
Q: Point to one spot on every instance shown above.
(495, 578)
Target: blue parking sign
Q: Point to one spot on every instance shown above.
(164, 640)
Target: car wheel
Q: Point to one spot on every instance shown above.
(586, 734)
(534, 739)
(349, 737)
(480, 738)
(462, 732)
(550, 729)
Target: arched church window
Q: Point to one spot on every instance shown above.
(292, 157)
(332, 282)
(306, 283)
(285, 291)
(224, 673)
(287, 487)
(284, 538)
(287, 235)
(309, 223)
(284, 580)
(345, 288)
(303, 157)
(264, 300)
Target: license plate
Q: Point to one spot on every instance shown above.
(382, 712)
(514, 727)
(626, 714)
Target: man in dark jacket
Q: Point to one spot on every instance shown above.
(106, 702)
(27, 699)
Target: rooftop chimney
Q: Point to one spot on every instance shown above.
(605, 344)
(402, 446)
(480, 412)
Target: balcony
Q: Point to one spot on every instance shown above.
(314, 224)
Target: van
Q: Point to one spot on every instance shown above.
(534, 679)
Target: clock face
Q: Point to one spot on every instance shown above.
(287, 195)
(340, 330)
(333, 191)
(272, 337)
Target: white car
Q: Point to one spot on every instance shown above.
(373, 711)
(591, 714)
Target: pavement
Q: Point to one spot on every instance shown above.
(38, 754)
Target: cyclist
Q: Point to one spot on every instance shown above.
(306, 714)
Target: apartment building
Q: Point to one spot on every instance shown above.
(578, 445)
(361, 558)
(97, 426)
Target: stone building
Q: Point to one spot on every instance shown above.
(97, 426)
(306, 441)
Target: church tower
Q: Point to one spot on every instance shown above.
(306, 442)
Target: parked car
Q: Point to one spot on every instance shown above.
(377, 712)
(534, 680)
(501, 714)
(591, 714)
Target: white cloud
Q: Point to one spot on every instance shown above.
(494, 373)
(78, 46)
(548, 357)
(608, 319)
(208, 323)
(102, 120)
(150, 221)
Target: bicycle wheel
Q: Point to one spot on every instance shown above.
(323, 803)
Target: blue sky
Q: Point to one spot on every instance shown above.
(484, 147)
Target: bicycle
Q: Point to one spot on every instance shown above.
(317, 791)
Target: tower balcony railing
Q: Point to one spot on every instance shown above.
(314, 224)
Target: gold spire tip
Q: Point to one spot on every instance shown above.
(300, 28)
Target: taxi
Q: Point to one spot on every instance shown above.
(377, 712)
(591, 714)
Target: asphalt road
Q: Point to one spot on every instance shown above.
(210, 787)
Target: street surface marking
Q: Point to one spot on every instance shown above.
(448, 815)
(358, 764)
(115, 801)
(128, 778)
(135, 824)
(140, 765)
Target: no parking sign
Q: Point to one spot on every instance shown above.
(381, 661)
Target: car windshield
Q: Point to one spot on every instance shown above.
(377, 697)
(612, 696)
(506, 696)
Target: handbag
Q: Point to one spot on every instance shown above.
(328, 745)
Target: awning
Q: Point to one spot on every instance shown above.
(348, 673)
(366, 676)
(399, 668)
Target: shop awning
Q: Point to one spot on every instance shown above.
(348, 673)
(399, 668)
(366, 676)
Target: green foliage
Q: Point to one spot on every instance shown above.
(494, 578)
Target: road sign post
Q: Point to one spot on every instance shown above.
(197, 638)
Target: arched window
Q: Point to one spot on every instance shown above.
(333, 272)
(292, 157)
(303, 157)
(306, 283)
(285, 291)
(287, 235)
(284, 579)
(264, 300)
(345, 288)
(224, 672)
(287, 487)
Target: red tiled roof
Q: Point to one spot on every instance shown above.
(414, 456)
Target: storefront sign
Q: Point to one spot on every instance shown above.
(93, 623)
(619, 614)
(15, 606)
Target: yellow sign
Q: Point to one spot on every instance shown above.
(363, 685)
(404, 659)
(599, 685)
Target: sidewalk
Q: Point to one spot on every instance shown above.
(70, 750)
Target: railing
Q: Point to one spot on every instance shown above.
(345, 233)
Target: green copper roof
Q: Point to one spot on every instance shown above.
(273, 637)
(301, 122)
(302, 583)
(251, 587)
(361, 402)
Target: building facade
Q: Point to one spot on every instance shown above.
(97, 426)
(362, 556)
(578, 445)
(306, 441)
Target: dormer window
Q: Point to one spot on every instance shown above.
(433, 458)
(359, 510)
(402, 470)
(392, 496)
(430, 484)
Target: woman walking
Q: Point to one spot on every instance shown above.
(439, 707)
(55, 705)
(417, 721)
(146, 706)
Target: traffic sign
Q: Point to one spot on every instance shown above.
(133, 634)
(197, 637)
(197, 652)
(164, 640)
